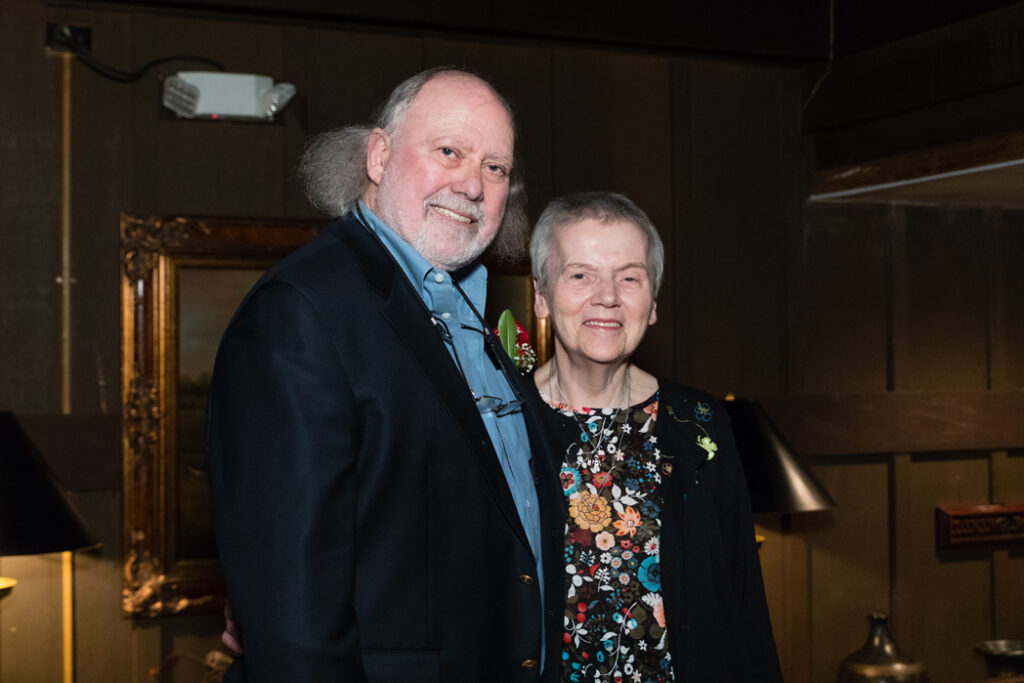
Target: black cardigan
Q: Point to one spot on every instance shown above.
(715, 610)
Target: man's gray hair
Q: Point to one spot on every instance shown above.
(333, 165)
(605, 207)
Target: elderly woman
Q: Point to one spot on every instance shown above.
(662, 578)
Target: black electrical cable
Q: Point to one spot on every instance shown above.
(115, 74)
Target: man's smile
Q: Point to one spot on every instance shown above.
(448, 213)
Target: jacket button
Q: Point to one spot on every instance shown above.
(527, 580)
(529, 665)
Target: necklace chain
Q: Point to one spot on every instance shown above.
(590, 427)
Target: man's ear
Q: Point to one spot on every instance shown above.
(540, 304)
(377, 152)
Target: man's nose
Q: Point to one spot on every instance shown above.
(469, 182)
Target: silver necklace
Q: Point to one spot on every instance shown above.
(594, 429)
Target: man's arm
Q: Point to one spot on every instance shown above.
(283, 446)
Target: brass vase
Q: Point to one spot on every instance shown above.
(879, 660)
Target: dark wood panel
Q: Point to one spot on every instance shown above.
(840, 300)
(295, 70)
(1008, 565)
(611, 131)
(101, 143)
(941, 606)
(30, 191)
(1007, 302)
(849, 559)
(949, 63)
(838, 322)
(947, 123)
(940, 294)
(347, 75)
(733, 221)
(30, 619)
(106, 644)
(83, 451)
(899, 422)
(522, 73)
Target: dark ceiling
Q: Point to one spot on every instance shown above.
(787, 30)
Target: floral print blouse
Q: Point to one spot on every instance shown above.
(611, 475)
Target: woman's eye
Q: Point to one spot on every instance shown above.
(447, 151)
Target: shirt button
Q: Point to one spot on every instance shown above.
(446, 315)
(438, 277)
(527, 580)
(529, 665)
(528, 506)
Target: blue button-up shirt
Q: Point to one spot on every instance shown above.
(508, 432)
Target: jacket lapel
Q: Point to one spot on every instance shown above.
(411, 320)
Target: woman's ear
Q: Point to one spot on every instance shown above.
(540, 304)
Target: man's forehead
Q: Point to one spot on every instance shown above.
(451, 99)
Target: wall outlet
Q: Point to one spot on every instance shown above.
(66, 38)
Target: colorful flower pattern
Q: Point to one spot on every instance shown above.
(614, 617)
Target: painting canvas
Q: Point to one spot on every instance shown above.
(207, 298)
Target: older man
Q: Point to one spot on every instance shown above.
(378, 510)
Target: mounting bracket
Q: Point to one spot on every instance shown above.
(64, 38)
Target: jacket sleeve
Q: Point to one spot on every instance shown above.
(283, 441)
(737, 528)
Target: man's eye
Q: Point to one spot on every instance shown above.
(447, 151)
(497, 169)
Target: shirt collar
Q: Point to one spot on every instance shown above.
(472, 278)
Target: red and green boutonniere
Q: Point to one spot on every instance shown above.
(516, 342)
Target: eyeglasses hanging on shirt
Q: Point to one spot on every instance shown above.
(484, 403)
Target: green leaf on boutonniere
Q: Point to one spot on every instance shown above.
(708, 445)
(507, 333)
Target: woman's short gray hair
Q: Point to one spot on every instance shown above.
(333, 166)
(606, 207)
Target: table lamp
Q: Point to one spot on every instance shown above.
(36, 514)
(778, 479)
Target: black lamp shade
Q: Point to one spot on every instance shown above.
(778, 480)
(36, 515)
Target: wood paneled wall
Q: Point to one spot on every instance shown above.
(908, 298)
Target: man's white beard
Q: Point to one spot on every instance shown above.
(444, 245)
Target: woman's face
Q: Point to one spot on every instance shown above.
(599, 295)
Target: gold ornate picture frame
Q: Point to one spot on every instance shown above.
(181, 279)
